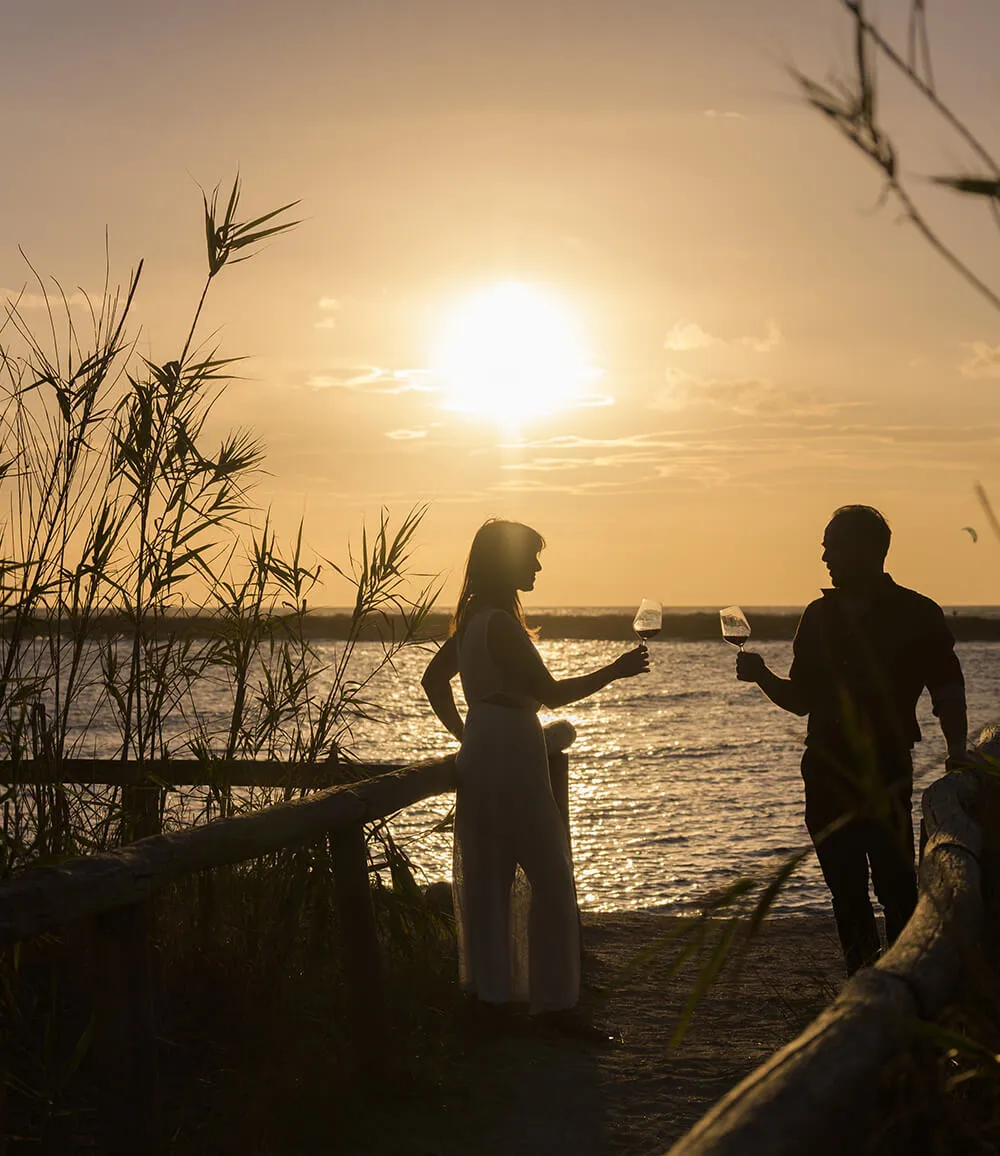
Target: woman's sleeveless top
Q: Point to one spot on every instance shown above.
(481, 678)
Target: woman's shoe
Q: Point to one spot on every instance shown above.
(493, 1018)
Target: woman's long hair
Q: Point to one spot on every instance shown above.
(498, 550)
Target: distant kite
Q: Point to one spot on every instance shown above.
(972, 533)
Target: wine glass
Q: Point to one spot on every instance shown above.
(735, 628)
(648, 619)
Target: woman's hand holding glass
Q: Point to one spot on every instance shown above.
(632, 662)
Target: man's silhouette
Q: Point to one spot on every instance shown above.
(861, 657)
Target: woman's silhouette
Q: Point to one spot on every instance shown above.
(515, 900)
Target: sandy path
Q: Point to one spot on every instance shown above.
(526, 1095)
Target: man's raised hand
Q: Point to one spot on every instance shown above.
(750, 667)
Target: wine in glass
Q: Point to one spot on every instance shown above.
(648, 619)
(735, 628)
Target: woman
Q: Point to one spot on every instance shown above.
(515, 900)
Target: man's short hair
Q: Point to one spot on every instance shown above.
(867, 523)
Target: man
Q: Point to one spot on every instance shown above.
(862, 655)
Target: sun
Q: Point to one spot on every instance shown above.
(511, 352)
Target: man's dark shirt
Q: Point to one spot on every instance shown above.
(862, 673)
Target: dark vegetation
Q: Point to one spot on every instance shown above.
(251, 1008)
(121, 516)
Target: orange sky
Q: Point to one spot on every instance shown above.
(771, 344)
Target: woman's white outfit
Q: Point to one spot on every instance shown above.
(515, 900)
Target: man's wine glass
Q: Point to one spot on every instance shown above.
(648, 621)
(735, 627)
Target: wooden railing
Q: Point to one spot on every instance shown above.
(189, 773)
(112, 890)
(821, 1093)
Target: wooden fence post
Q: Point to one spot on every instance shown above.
(559, 778)
(141, 811)
(5, 1010)
(125, 1034)
(367, 1013)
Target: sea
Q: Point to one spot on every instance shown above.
(681, 781)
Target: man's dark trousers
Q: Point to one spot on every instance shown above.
(858, 822)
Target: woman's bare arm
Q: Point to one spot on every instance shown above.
(511, 649)
(436, 682)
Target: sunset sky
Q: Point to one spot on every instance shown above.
(734, 338)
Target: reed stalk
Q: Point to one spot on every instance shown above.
(119, 518)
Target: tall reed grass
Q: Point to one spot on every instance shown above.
(119, 517)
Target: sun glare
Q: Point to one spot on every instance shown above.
(510, 352)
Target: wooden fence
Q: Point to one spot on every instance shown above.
(189, 773)
(112, 891)
(821, 1093)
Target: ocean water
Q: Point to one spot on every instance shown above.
(680, 780)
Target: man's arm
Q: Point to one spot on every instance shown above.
(783, 692)
(944, 679)
(792, 693)
(955, 727)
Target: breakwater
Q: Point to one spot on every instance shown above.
(694, 626)
(678, 626)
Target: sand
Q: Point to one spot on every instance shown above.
(527, 1093)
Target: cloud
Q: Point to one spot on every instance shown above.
(603, 461)
(769, 436)
(679, 383)
(372, 379)
(328, 305)
(752, 396)
(766, 343)
(922, 436)
(21, 299)
(573, 441)
(714, 113)
(748, 397)
(983, 360)
(402, 435)
(581, 401)
(767, 454)
(547, 465)
(687, 335)
(616, 486)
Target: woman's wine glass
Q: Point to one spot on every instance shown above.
(735, 627)
(648, 621)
